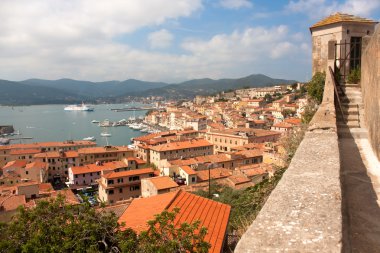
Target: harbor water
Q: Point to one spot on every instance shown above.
(52, 123)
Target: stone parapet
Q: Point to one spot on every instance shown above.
(370, 84)
(304, 211)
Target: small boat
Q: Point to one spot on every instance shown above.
(90, 138)
(95, 121)
(4, 141)
(105, 134)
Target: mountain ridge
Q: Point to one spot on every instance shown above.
(66, 90)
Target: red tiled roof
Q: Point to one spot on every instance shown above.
(16, 163)
(54, 154)
(48, 144)
(283, 125)
(342, 17)
(128, 173)
(211, 214)
(45, 188)
(137, 160)
(24, 151)
(162, 182)
(95, 150)
(181, 145)
(9, 203)
(188, 170)
(215, 174)
(36, 164)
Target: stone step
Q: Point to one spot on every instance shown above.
(349, 124)
(348, 117)
(351, 105)
(351, 110)
(355, 100)
(357, 133)
(351, 85)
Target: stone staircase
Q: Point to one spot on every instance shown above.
(351, 123)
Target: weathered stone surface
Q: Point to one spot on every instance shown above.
(370, 83)
(303, 213)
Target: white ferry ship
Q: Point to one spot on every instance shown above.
(81, 107)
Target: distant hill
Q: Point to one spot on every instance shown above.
(64, 91)
(96, 89)
(209, 86)
(14, 93)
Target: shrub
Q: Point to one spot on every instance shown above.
(316, 87)
(354, 76)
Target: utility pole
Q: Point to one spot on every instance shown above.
(209, 180)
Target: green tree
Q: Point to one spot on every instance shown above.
(164, 237)
(53, 226)
(268, 98)
(316, 87)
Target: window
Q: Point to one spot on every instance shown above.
(135, 178)
(110, 192)
(134, 188)
(193, 179)
(120, 180)
(110, 182)
(121, 190)
(76, 176)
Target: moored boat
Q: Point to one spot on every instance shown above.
(90, 138)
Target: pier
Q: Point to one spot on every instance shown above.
(131, 109)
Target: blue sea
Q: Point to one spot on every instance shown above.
(52, 123)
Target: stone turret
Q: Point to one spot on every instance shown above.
(339, 28)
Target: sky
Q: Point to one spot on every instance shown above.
(163, 40)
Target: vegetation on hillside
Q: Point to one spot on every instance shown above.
(316, 87)
(53, 226)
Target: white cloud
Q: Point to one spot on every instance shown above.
(75, 38)
(235, 4)
(321, 8)
(160, 39)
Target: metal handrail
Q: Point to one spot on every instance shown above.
(336, 92)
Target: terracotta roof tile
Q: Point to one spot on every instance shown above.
(342, 17)
(181, 145)
(144, 209)
(188, 170)
(112, 149)
(128, 173)
(162, 182)
(9, 203)
(215, 174)
(15, 163)
(211, 214)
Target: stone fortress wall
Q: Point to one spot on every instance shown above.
(370, 85)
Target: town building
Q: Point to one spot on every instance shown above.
(157, 185)
(345, 30)
(180, 149)
(226, 139)
(123, 185)
(26, 151)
